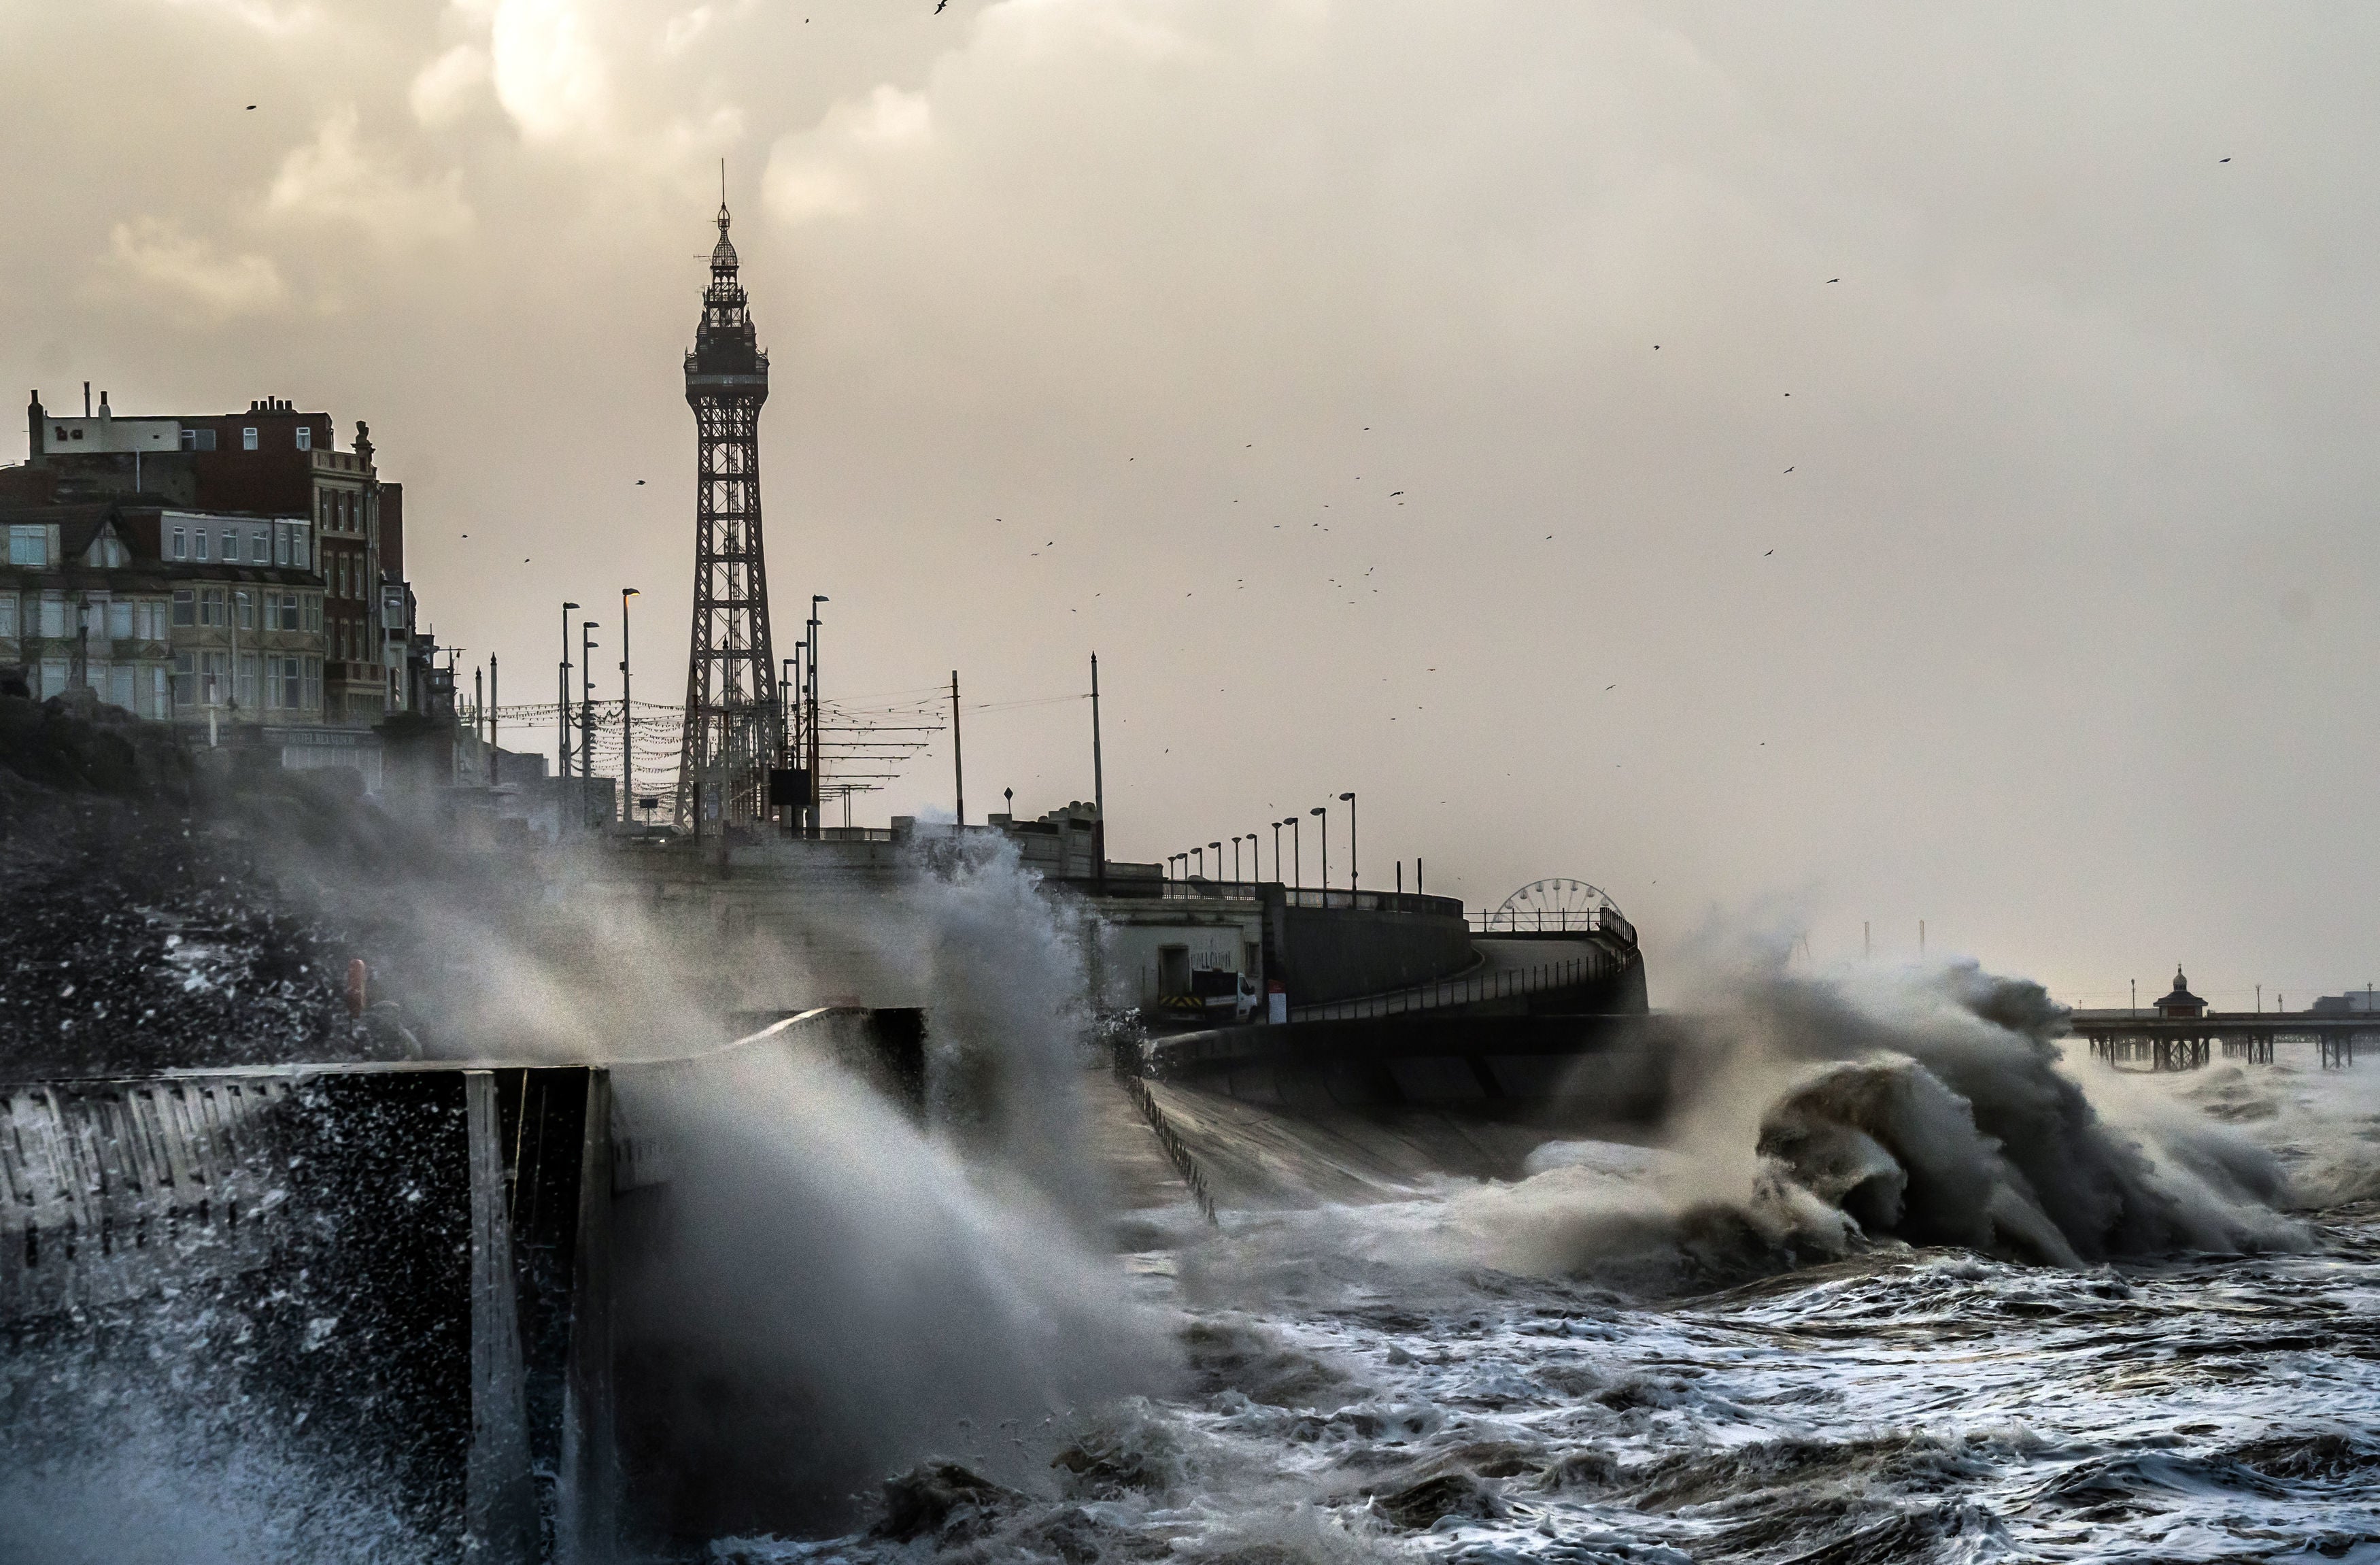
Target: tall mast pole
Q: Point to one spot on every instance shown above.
(958, 756)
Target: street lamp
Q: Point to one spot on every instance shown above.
(1324, 811)
(1276, 850)
(586, 629)
(1219, 859)
(1201, 859)
(810, 717)
(1354, 882)
(1236, 861)
(627, 726)
(562, 706)
(1296, 855)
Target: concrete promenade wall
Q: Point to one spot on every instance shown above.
(398, 1270)
(1322, 953)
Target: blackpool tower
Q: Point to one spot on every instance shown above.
(731, 686)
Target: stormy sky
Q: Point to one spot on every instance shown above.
(1792, 466)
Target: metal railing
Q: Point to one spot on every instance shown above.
(1198, 888)
(1541, 921)
(1476, 990)
(1127, 1071)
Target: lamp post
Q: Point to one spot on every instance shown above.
(1236, 861)
(1201, 861)
(1219, 859)
(628, 724)
(1355, 881)
(562, 706)
(586, 629)
(1324, 811)
(1276, 850)
(1296, 855)
(811, 720)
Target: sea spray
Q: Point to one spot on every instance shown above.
(1002, 968)
(820, 1295)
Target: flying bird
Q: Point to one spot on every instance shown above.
(1788, 469)
(1394, 493)
(1834, 279)
(941, 5)
(252, 105)
(1766, 552)
(641, 481)
(2217, 160)
(1611, 688)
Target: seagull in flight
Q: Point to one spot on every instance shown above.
(941, 5)
(640, 482)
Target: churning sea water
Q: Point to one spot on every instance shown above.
(1604, 1362)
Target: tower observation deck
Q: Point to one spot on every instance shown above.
(731, 686)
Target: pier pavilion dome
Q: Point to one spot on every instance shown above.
(2182, 1003)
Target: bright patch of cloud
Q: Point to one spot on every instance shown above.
(547, 68)
(264, 16)
(336, 178)
(442, 91)
(824, 172)
(153, 258)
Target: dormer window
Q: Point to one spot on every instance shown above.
(305, 437)
(247, 438)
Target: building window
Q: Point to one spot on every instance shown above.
(119, 629)
(297, 546)
(259, 547)
(282, 683)
(314, 612)
(246, 606)
(8, 615)
(54, 672)
(186, 605)
(198, 539)
(119, 688)
(54, 615)
(29, 545)
(185, 679)
(198, 440)
(211, 607)
(313, 683)
(181, 543)
(305, 437)
(230, 555)
(248, 439)
(247, 696)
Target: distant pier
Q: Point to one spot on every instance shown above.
(2137, 1041)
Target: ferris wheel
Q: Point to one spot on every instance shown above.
(1556, 903)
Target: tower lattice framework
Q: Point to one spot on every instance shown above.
(730, 683)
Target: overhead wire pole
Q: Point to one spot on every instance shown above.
(1099, 792)
(628, 734)
(958, 755)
